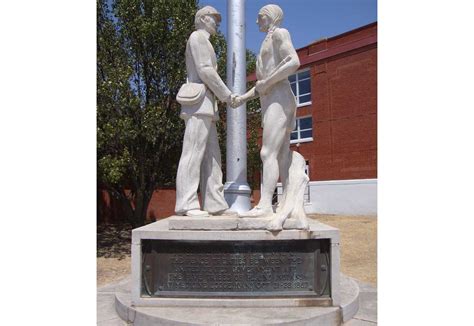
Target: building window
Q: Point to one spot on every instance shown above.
(303, 131)
(301, 87)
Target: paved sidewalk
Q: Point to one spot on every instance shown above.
(367, 314)
(106, 315)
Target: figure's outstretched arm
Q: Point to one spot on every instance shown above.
(250, 95)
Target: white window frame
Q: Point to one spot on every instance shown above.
(302, 140)
(297, 95)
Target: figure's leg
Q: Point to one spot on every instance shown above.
(274, 135)
(212, 189)
(284, 158)
(284, 161)
(187, 179)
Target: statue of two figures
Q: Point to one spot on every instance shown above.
(200, 163)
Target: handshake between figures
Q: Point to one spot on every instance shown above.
(237, 100)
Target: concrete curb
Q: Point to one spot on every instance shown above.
(350, 297)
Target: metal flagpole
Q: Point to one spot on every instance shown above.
(236, 189)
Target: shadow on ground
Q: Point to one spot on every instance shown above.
(113, 240)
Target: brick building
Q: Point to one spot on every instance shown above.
(336, 91)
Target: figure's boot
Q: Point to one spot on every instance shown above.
(258, 211)
(196, 213)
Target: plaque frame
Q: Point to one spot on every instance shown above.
(269, 268)
(160, 231)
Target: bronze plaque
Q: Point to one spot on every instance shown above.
(174, 268)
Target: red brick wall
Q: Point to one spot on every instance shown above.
(344, 109)
(161, 205)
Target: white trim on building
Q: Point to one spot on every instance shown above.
(345, 197)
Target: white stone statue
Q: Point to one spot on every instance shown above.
(275, 63)
(200, 162)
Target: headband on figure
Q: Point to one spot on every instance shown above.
(274, 12)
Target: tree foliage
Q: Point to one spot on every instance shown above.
(140, 67)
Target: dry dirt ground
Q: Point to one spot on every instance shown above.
(113, 252)
(358, 248)
(358, 245)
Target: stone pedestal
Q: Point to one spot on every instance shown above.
(233, 262)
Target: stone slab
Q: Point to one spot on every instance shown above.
(161, 230)
(225, 223)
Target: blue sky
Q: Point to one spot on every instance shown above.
(307, 20)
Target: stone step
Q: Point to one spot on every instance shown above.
(239, 315)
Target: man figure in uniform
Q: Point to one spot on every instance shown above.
(200, 162)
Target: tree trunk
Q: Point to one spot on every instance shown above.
(127, 206)
(138, 214)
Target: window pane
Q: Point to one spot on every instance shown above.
(293, 88)
(304, 74)
(292, 78)
(294, 135)
(307, 134)
(306, 123)
(305, 86)
(305, 98)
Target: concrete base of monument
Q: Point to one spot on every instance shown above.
(242, 315)
(216, 266)
(226, 270)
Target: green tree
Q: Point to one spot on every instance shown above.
(140, 67)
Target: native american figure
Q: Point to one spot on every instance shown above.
(275, 63)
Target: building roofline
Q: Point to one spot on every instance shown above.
(327, 39)
(307, 58)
